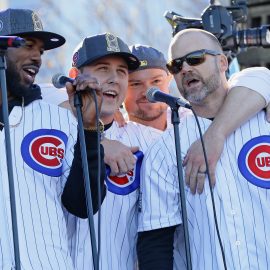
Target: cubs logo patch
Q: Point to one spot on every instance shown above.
(127, 183)
(43, 150)
(254, 161)
(75, 59)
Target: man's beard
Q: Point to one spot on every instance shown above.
(210, 85)
(149, 116)
(14, 85)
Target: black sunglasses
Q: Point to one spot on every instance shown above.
(193, 59)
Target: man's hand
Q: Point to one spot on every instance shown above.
(194, 162)
(118, 156)
(86, 85)
(119, 118)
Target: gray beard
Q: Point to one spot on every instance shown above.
(211, 84)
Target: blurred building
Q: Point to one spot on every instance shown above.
(258, 15)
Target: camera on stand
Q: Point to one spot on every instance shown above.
(227, 24)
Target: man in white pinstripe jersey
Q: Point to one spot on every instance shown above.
(242, 173)
(42, 139)
(108, 59)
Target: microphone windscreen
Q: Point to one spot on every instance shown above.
(56, 80)
(150, 94)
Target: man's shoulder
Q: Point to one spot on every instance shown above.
(54, 110)
(142, 128)
(52, 95)
(133, 134)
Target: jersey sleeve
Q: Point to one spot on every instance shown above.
(255, 78)
(159, 194)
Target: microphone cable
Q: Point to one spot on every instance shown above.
(94, 250)
(211, 191)
(98, 174)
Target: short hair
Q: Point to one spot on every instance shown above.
(207, 34)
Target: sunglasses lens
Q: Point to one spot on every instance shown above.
(195, 59)
(192, 59)
(174, 66)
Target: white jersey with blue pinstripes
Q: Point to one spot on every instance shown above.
(118, 212)
(241, 196)
(41, 222)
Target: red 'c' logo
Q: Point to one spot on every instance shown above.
(48, 151)
(259, 161)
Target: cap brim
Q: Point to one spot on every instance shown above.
(131, 60)
(51, 40)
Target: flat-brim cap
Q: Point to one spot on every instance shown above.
(25, 22)
(98, 46)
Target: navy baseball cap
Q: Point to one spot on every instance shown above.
(98, 46)
(25, 22)
(149, 57)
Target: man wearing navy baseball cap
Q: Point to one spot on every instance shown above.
(98, 49)
(43, 142)
(152, 72)
(108, 60)
(23, 68)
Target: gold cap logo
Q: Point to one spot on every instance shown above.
(37, 22)
(143, 63)
(112, 43)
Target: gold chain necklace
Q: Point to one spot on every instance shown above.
(22, 115)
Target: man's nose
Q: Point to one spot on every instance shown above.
(186, 68)
(114, 77)
(36, 56)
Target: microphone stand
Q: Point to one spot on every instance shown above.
(9, 160)
(175, 121)
(78, 106)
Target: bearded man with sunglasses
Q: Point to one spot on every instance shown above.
(241, 193)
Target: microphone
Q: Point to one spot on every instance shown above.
(11, 41)
(59, 80)
(153, 95)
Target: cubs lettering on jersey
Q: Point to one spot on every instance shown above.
(254, 161)
(43, 150)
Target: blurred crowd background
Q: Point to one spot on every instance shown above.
(136, 21)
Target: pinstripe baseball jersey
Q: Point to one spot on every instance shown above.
(241, 196)
(119, 209)
(53, 95)
(42, 153)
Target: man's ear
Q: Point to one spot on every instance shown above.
(223, 63)
(73, 72)
(169, 77)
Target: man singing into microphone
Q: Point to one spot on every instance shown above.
(43, 137)
(241, 190)
(108, 59)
